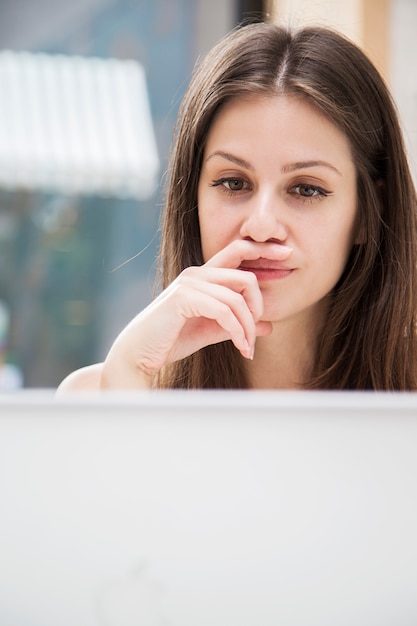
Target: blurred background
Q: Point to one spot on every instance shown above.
(89, 92)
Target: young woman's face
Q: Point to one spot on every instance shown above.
(275, 170)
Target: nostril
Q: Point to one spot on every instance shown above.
(280, 241)
(263, 228)
(266, 240)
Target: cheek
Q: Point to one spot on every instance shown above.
(328, 241)
(205, 222)
(212, 237)
(336, 247)
(215, 231)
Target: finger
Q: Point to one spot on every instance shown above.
(227, 312)
(243, 250)
(236, 301)
(244, 283)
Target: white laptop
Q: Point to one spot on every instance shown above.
(208, 509)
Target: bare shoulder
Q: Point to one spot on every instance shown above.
(85, 379)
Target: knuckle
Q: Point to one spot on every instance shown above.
(237, 299)
(188, 272)
(224, 313)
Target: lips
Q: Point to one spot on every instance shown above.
(266, 269)
(264, 264)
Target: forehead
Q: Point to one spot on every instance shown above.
(284, 124)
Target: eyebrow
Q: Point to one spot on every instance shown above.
(286, 169)
(302, 165)
(231, 157)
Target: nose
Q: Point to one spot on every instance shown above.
(264, 220)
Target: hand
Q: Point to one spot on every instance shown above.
(203, 305)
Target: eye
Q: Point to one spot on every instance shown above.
(308, 192)
(231, 185)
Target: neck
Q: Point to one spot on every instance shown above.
(283, 359)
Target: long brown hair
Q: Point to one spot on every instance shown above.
(369, 339)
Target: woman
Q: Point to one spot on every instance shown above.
(289, 236)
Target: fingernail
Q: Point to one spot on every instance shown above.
(249, 352)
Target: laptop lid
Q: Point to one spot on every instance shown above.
(203, 508)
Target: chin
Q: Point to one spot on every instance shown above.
(273, 309)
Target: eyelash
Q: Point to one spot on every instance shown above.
(230, 192)
(318, 192)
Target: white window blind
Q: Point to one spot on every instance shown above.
(76, 125)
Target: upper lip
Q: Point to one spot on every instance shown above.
(264, 264)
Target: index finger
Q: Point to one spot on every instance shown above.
(243, 250)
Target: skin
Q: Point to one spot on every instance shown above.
(277, 211)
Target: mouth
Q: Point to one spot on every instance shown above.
(266, 269)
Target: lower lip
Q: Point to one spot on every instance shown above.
(263, 274)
